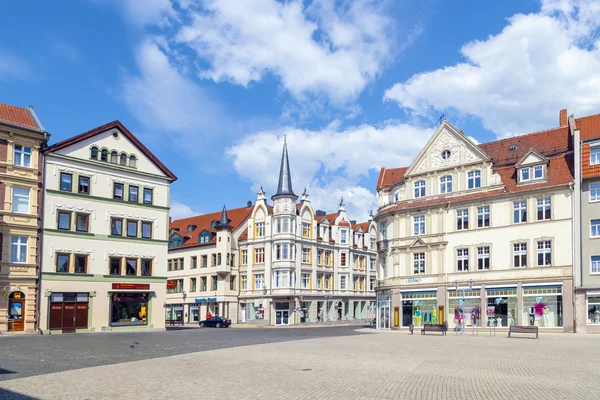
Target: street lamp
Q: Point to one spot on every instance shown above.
(327, 298)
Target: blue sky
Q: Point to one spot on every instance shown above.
(212, 86)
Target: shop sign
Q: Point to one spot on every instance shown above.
(490, 311)
(177, 308)
(413, 281)
(205, 299)
(131, 286)
(170, 284)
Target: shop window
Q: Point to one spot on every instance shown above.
(81, 262)
(483, 258)
(64, 220)
(62, 262)
(133, 194)
(520, 255)
(82, 222)
(129, 309)
(483, 217)
(115, 266)
(474, 179)
(131, 266)
(462, 219)
(147, 230)
(462, 258)
(501, 309)
(419, 224)
(118, 191)
(148, 195)
(544, 209)
(419, 308)
(543, 307)
(544, 253)
(116, 226)
(519, 212)
(593, 307)
(132, 228)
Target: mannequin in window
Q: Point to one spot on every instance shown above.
(418, 317)
(531, 316)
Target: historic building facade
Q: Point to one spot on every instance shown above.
(105, 227)
(478, 235)
(22, 137)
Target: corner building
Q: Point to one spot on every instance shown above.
(105, 224)
(478, 233)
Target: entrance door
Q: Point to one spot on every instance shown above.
(68, 318)
(285, 317)
(16, 310)
(243, 313)
(278, 317)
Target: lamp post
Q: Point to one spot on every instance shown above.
(327, 298)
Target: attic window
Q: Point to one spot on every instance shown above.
(512, 148)
(527, 174)
(213, 223)
(191, 228)
(204, 237)
(446, 154)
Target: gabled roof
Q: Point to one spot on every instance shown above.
(124, 131)
(236, 216)
(19, 117)
(589, 127)
(537, 155)
(389, 176)
(363, 225)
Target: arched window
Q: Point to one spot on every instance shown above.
(113, 157)
(123, 159)
(104, 155)
(94, 153)
(132, 161)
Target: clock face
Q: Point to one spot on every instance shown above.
(446, 154)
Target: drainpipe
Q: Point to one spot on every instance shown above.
(40, 296)
(576, 226)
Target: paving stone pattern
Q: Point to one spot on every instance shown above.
(386, 365)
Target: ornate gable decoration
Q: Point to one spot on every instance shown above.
(446, 148)
(532, 157)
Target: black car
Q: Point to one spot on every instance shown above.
(215, 322)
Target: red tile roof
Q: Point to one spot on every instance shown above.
(17, 116)
(363, 225)
(389, 176)
(589, 127)
(244, 235)
(202, 222)
(128, 135)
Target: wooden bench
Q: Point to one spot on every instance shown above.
(523, 329)
(434, 328)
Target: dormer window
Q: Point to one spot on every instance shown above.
(528, 174)
(419, 189)
(538, 172)
(525, 174)
(191, 228)
(204, 237)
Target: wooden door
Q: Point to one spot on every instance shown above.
(81, 320)
(69, 318)
(17, 315)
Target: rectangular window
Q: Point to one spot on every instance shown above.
(194, 262)
(594, 155)
(23, 156)
(146, 268)
(20, 200)
(474, 179)
(525, 174)
(244, 257)
(204, 261)
(115, 266)
(131, 266)
(419, 224)
(170, 265)
(18, 249)
(594, 191)
(82, 222)
(483, 258)
(133, 194)
(62, 262)
(544, 209)
(148, 195)
(343, 236)
(116, 227)
(371, 284)
(64, 220)
(282, 251)
(342, 282)
(519, 212)
(327, 281)
(544, 253)
(132, 228)
(462, 219)
(305, 255)
(244, 282)
(419, 189)
(319, 257)
(520, 255)
(419, 263)
(147, 230)
(214, 259)
(305, 229)
(595, 228)
(232, 282)
(305, 281)
(203, 284)
(281, 279)
(192, 284)
(538, 172)
(343, 259)
(260, 229)
(259, 280)
(81, 261)
(372, 264)
(595, 266)
(260, 255)
(84, 185)
(446, 184)
(66, 182)
(118, 191)
(483, 217)
(462, 258)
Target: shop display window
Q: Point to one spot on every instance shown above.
(593, 306)
(543, 307)
(501, 309)
(129, 309)
(419, 309)
(464, 306)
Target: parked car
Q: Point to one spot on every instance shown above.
(215, 322)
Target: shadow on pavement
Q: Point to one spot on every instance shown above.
(10, 395)
(6, 371)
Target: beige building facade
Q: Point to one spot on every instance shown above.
(22, 137)
(105, 224)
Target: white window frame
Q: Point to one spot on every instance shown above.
(305, 229)
(537, 168)
(482, 212)
(594, 155)
(259, 281)
(519, 206)
(520, 251)
(21, 153)
(594, 192)
(544, 247)
(474, 179)
(483, 254)
(343, 236)
(595, 228)
(419, 225)
(420, 188)
(446, 184)
(259, 253)
(306, 255)
(545, 204)
(260, 229)
(595, 265)
(462, 219)
(419, 263)
(244, 282)
(18, 249)
(244, 257)
(19, 197)
(372, 283)
(462, 260)
(282, 279)
(305, 281)
(343, 282)
(522, 172)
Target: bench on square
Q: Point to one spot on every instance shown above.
(523, 329)
(435, 328)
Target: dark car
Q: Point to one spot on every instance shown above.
(215, 322)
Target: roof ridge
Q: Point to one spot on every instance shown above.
(588, 116)
(216, 212)
(522, 135)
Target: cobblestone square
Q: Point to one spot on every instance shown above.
(372, 365)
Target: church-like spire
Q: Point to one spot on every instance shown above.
(284, 187)
(224, 221)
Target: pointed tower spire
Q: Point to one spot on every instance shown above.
(224, 221)
(284, 187)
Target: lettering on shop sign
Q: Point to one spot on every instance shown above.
(412, 281)
(131, 286)
(205, 299)
(170, 284)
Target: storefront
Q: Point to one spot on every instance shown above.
(419, 308)
(543, 306)
(501, 308)
(16, 312)
(68, 312)
(282, 313)
(129, 309)
(384, 302)
(206, 306)
(464, 307)
(305, 311)
(593, 309)
(194, 313)
(257, 311)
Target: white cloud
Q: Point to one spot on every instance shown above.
(13, 67)
(151, 12)
(181, 210)
(518, 80)
(318, 49)
(330, 161)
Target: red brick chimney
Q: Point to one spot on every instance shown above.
(563, 117)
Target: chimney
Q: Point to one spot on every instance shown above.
(249, 204)
(563, 117)
(170, 220)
